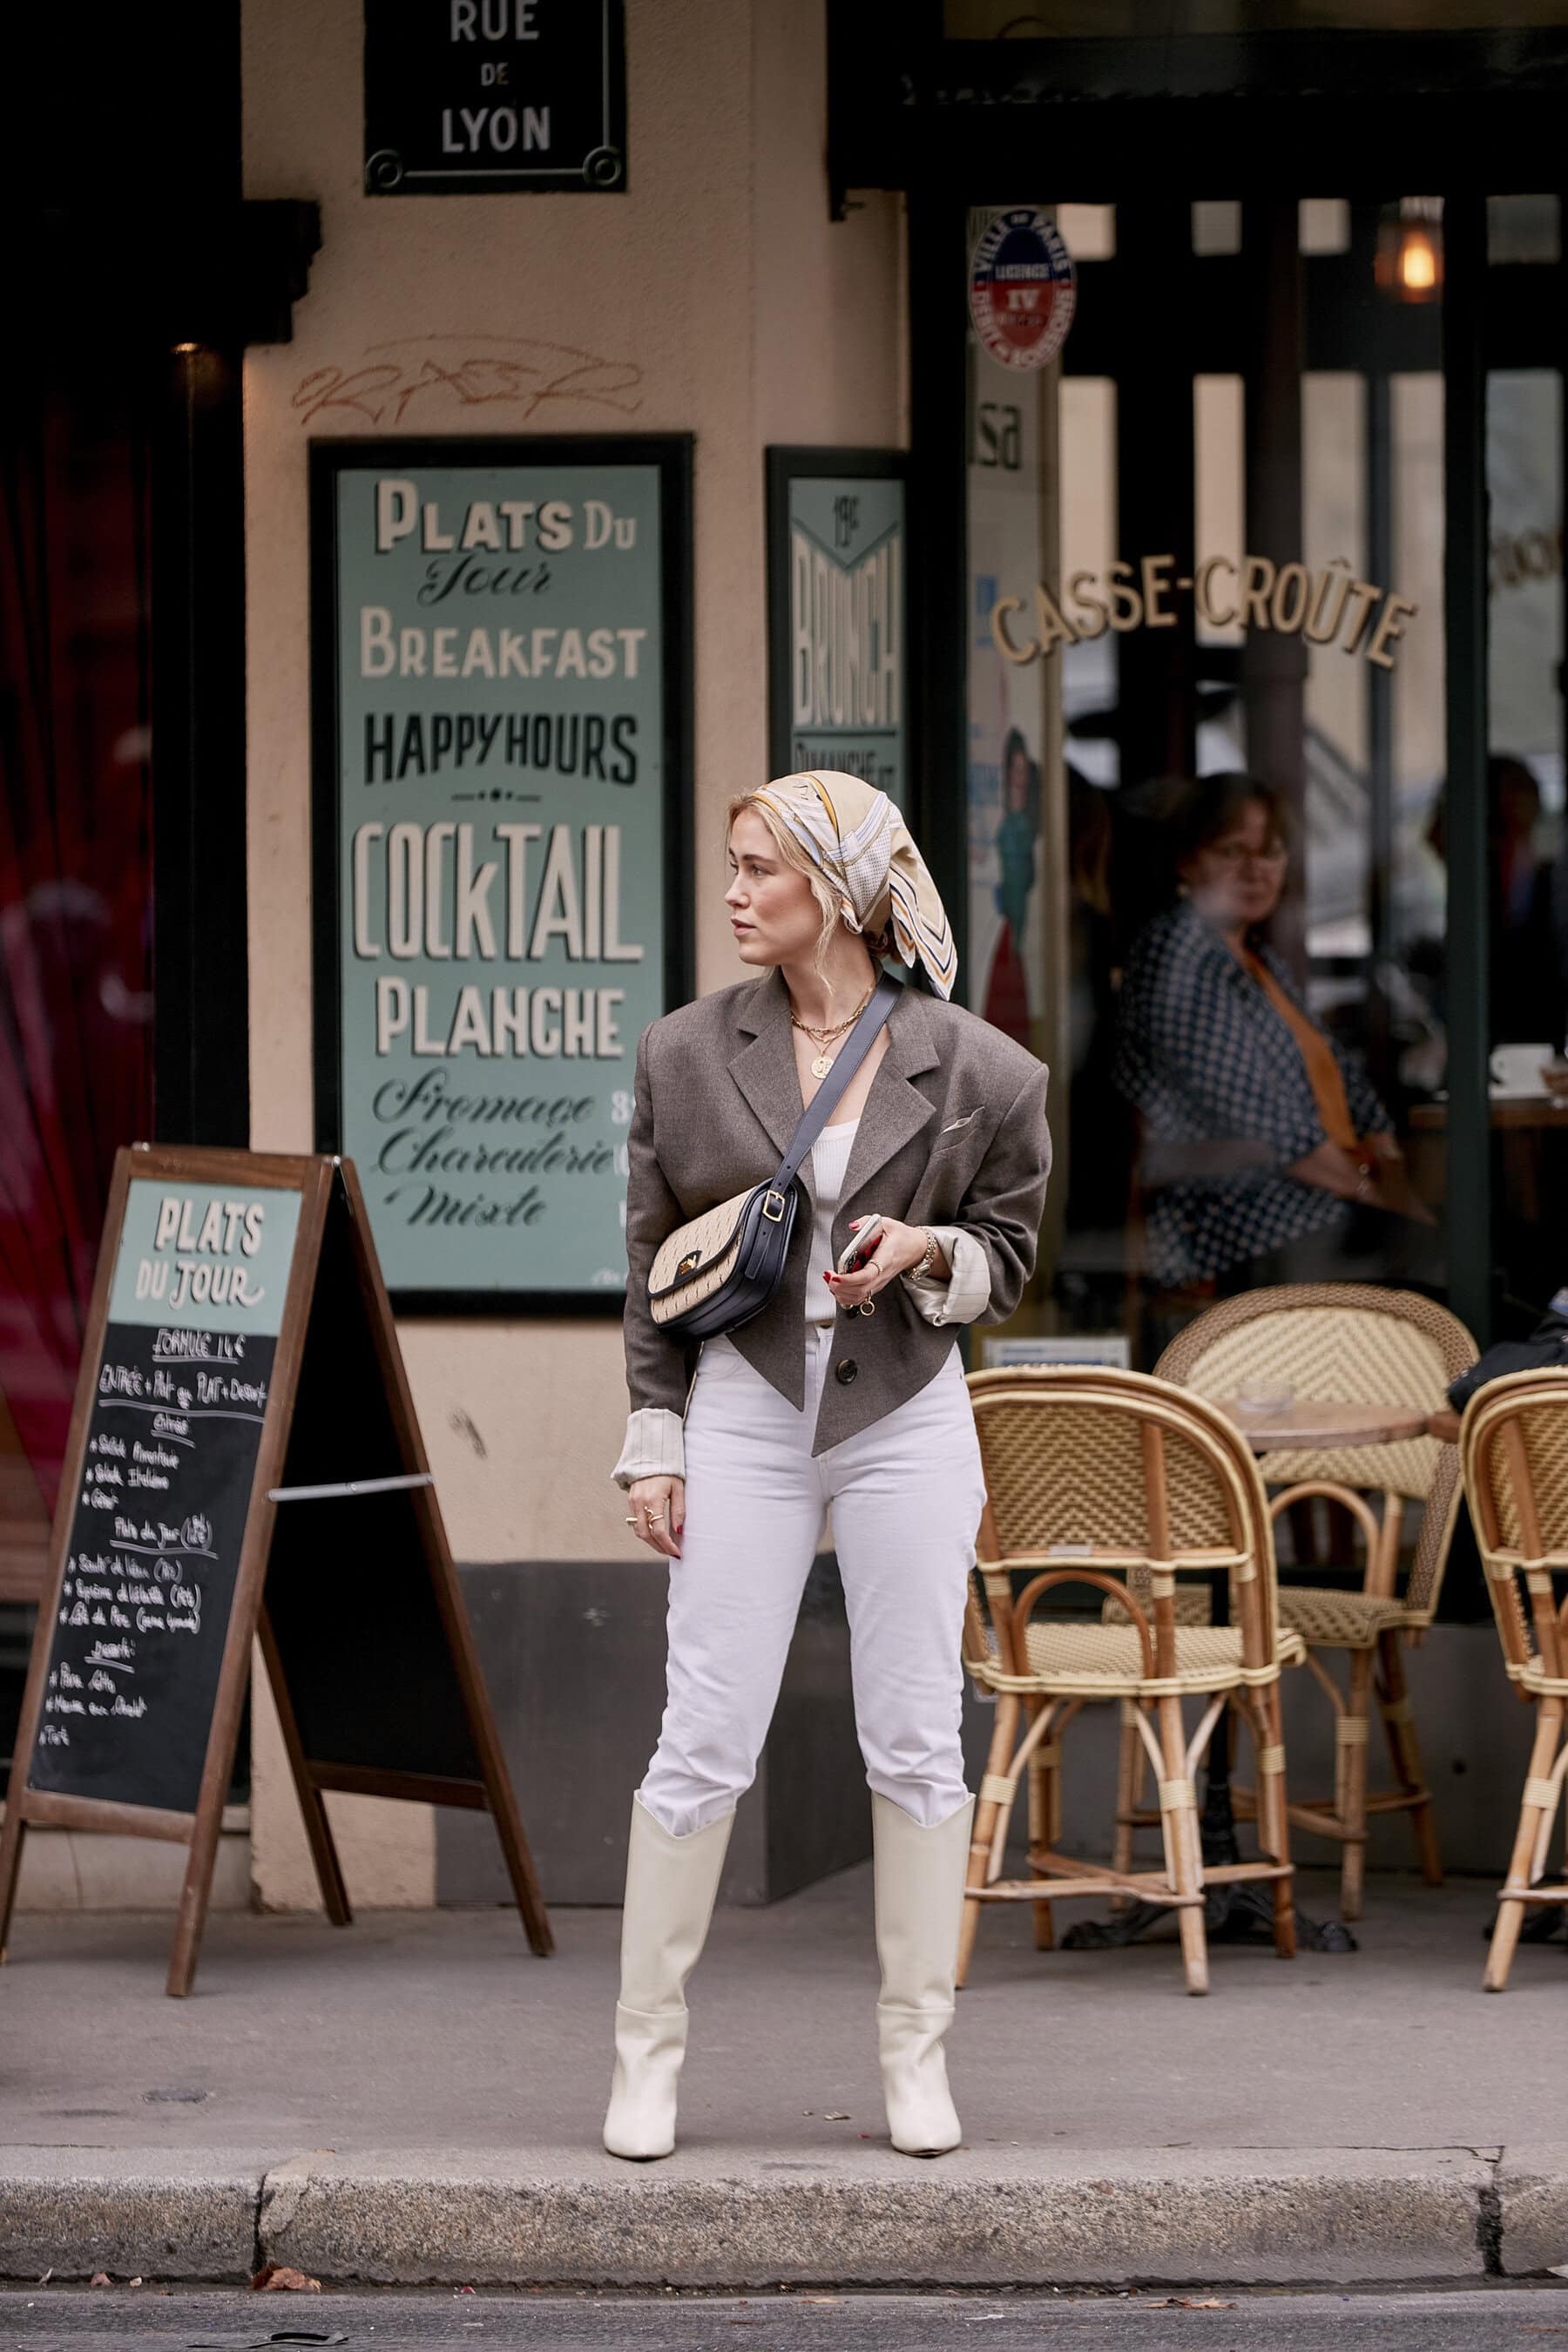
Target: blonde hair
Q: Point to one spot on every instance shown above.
(829, 905)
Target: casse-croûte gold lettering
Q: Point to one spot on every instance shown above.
(1328, 605)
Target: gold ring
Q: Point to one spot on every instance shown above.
(873, 1267)
(631, 1521)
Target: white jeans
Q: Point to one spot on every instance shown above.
(906, 1495)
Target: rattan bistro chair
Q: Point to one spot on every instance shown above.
(1122, 1483)
(1513, 1444)
(1354, 1344)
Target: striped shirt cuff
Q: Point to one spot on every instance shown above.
(655, 1446)
(967, 1292)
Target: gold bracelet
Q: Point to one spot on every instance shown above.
(926, 1263)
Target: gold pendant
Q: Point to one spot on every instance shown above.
(822, 1065)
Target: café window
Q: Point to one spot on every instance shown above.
(74, 918)
(1207, 824)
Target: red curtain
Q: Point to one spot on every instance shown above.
(75, 873)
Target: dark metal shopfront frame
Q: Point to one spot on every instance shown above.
(1264, 118)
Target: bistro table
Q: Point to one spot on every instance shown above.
(1236, 1913)
(1316, 1426)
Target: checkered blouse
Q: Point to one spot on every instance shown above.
(1204, 1057)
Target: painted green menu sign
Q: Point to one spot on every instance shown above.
(499, 684)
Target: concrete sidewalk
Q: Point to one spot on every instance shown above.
(417, 2099)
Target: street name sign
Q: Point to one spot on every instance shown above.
(479, 98)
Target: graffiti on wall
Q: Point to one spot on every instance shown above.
(417, 379)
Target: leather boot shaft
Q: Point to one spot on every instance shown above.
(919, 1875)
(671, 1885)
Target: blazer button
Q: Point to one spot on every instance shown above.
(847, 1371)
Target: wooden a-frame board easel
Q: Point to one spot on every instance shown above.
(338, 1562)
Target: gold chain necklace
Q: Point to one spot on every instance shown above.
(824, 1037)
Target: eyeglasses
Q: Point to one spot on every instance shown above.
(1237, 853)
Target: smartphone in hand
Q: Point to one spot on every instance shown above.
(862, 1246)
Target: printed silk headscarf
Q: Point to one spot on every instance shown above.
(862, 843)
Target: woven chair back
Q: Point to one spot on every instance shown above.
(1119, 1470)
(1514, 1449)
(1350, 1343)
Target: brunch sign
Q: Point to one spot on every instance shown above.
(496, 693)
(1329, 606)
(838, 690)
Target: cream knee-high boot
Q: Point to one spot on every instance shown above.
(671, 1886)
(919, 1879)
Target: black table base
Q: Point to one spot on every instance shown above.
(1542, 1922)
(1236, 1911)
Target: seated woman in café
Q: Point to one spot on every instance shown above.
(1266, 1155)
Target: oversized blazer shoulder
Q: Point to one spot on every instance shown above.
(953, 1132)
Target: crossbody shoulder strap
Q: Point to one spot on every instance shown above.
(850, 1055)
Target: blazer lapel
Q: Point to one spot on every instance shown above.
(895, 1110)
(765, 1069)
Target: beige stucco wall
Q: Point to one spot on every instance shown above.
(717, 298)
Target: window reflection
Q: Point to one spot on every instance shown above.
(1265, 1152)
(1528, 873)
(75, 916)
(1220, 553)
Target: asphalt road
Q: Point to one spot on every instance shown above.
(1484, 2319)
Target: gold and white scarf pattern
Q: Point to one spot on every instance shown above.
(860, 841)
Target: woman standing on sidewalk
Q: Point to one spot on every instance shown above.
(844, 1389)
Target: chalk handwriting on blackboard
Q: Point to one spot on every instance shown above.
(477, 370)
(165, 1543)
(149, 1573)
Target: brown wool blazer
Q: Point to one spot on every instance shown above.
(953, 1133)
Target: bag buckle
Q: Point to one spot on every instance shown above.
(774, 1207)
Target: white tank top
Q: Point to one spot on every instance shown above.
(829, 1160)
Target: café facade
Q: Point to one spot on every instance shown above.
(547, 431)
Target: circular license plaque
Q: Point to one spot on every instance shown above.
(1022, 288)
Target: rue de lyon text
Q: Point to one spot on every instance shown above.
(493, 131)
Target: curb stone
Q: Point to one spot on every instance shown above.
(989, 2218)
(1533, 2188)
(128, 2210)
(977, 2219)
(282, 2190)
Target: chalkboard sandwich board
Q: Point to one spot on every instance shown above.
(245, 1461)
